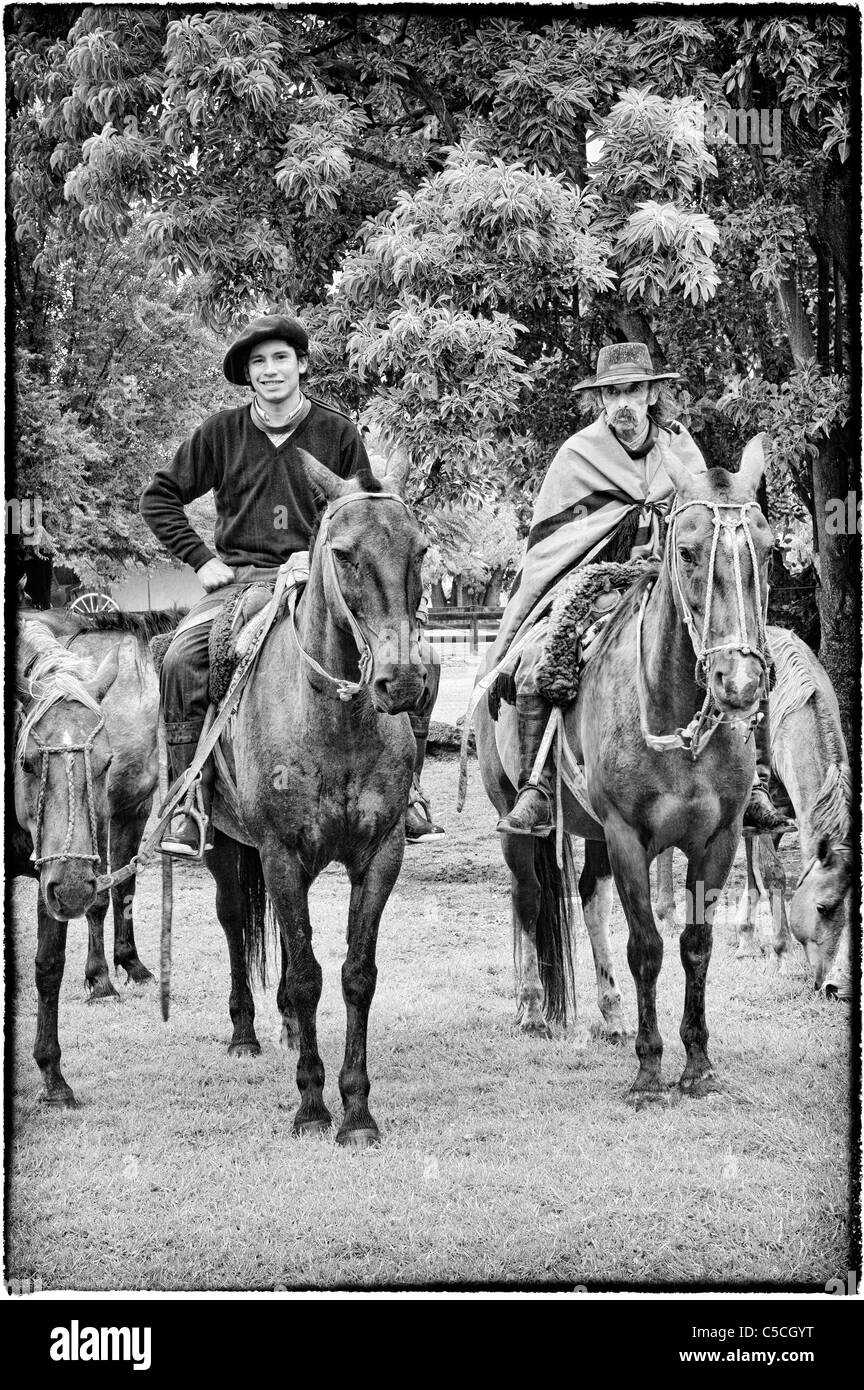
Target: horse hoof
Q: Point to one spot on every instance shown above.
(101, 990)
(535, 1028)
(244, 1049)
(696, 1087)
(359, 1138)
(311, 1129)
(60, 1099)
(139, 975)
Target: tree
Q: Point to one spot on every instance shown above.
(466, 206)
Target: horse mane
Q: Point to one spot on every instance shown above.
(53, 674)
(625, 610)
(830, 817)
(142, 626)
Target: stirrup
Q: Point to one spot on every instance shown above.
(538, 831)
(192, 809)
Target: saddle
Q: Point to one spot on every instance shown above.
(578, 618)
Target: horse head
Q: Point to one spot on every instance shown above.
(370, 552)
(717, 553)
(61, 765)
(817, 913)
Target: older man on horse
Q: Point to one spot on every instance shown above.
(604, 497)
(266, 511)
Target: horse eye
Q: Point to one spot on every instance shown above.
(343, 557)
(686, 554)
(826, 909)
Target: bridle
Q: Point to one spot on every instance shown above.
(360, 629)
(705, 722)
(68, 751)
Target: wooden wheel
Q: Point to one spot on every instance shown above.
(94, 602)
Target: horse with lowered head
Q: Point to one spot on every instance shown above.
(322, 754)
(661, 729)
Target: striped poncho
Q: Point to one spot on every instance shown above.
(591, 486)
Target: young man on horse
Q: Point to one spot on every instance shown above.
(604, 497)
(266, 511)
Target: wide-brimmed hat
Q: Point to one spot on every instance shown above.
(621, 363)
(259, 331)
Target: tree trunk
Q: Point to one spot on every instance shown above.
(839, 554)
(796, 322)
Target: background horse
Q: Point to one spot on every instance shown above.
(636, 716)
(323, 759)
(808, 757)
(809, 762)
(131, 712)
(62, 757)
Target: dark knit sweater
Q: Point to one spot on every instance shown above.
(265, 507)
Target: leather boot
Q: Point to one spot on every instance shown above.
(419, 825)
(183, 836)
(761, 813)
(534, 811)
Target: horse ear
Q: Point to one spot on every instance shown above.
(753, 463)
(398, 465)
(106, 674)
(322, 477)
(678, 472)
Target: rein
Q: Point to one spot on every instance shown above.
(696, 735)
(345, 689)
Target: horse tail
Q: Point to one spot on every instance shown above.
(258, 918)
(555, 927)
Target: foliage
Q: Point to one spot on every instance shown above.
(471, 542)
(463, 205)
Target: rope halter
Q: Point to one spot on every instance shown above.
(68, 752)
(345, 689)
(694, 737)
(730, 526)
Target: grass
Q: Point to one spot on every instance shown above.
(504, 1160)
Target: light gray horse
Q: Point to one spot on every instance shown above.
(808, 756)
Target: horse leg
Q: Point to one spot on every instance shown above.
(288, 888)
(665, 905)
(369, 893)
(644, 952)
(127, 830)
(290, 1027)
(50, 962)
(525, 902)
(97, 979)
(706, 875)
(745, 921)
(231, 910)
(775, 882)
(595, 891)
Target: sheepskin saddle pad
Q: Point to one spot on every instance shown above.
(235, 624)
(579, 614)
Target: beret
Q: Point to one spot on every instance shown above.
(259, 331)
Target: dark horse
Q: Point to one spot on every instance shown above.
(131, 712)
(666, 749)
(322, 756)
(62, 761)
